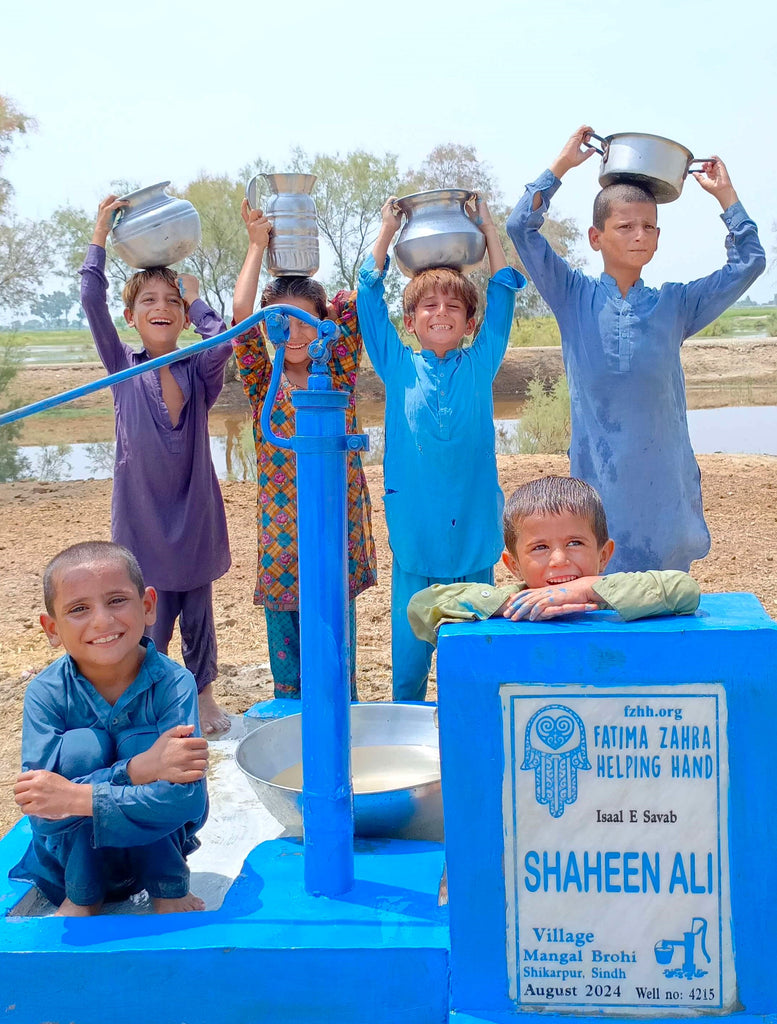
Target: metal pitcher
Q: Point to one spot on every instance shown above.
(293, 247)
(155, 229)
(438, 232)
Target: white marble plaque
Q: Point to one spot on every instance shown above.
(616, 860)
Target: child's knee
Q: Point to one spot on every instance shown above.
(83, 751)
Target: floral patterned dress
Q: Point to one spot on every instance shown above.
(277, 582)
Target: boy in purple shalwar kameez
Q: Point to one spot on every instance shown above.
(167, 506)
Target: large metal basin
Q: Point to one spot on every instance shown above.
(411, 811)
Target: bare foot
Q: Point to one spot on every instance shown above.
(178, 906)
(212, 718)
(70, 909)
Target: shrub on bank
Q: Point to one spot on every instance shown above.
(545, 426)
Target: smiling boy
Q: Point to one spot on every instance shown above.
(442, 497)
(557, 544)
(167, 506)
(621, 346)
(112, 760)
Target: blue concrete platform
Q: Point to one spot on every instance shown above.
(378, 955)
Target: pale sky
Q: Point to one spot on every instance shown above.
(150, 91)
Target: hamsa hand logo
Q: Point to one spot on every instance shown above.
(555, 748)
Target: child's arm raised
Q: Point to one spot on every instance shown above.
(707, 297)
(258, 227)
(494, 248)
(381, 340)
(551, 275)
(389, 225)
(113, 353)
(572, 155)
(713, 178)
(105, 216)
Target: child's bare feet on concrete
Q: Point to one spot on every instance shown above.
(181, 905)
(70, 909)
(212, 718)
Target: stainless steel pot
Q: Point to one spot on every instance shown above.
(410, 810)
(155, 229)
(437, 232)
(655, 163)
(293, 248)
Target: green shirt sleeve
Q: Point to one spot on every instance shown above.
(455, 602)
(638, 595)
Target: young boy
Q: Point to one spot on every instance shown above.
(557, 544)
(167, 506)
(112, 761)
(442, 498)
(621, 346)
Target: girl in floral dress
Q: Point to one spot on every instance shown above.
(277, 582)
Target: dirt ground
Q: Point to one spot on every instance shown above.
(37, 520)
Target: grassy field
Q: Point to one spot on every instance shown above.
(47, 347)
(737, 322)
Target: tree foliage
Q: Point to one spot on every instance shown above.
(12, 124)
(349, 194)
(24, 261)
(217, 260)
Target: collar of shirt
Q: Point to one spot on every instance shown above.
(612, 285)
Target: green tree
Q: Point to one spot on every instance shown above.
(24, 261)
(52, 308)
(71, 229)
(12, 124)
(349, 194)
(217, 260)
(24, 254)
(453, 166)
(12, 464)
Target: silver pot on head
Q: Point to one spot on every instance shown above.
(438, 232)
(651, 161)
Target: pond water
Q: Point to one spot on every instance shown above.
(730, 430)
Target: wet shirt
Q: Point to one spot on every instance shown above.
(633, 595)
(167, 506)
(277, 580)
(622, 358)
(59, 700)
(442, 496)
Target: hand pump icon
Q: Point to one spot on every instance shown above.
(665, 948)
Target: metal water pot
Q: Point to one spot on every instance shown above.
(655, 163)
(293, 247)
(155, 229)
(438, 232)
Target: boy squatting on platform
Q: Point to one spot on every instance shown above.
(113, 763)
(557, 543)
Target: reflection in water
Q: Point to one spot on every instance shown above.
(240, 453)
(100, 456)
(748, 430)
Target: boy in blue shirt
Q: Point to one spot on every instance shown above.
(557, 545)
(621, 346)
(442, 497)
(113, 762)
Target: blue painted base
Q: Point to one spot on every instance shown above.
(271, 953)
(557, 1018)
(277, 707)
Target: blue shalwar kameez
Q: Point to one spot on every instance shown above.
(139, 836)
(622, 358)
(441, 491)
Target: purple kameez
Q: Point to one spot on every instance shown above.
(167, 506)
